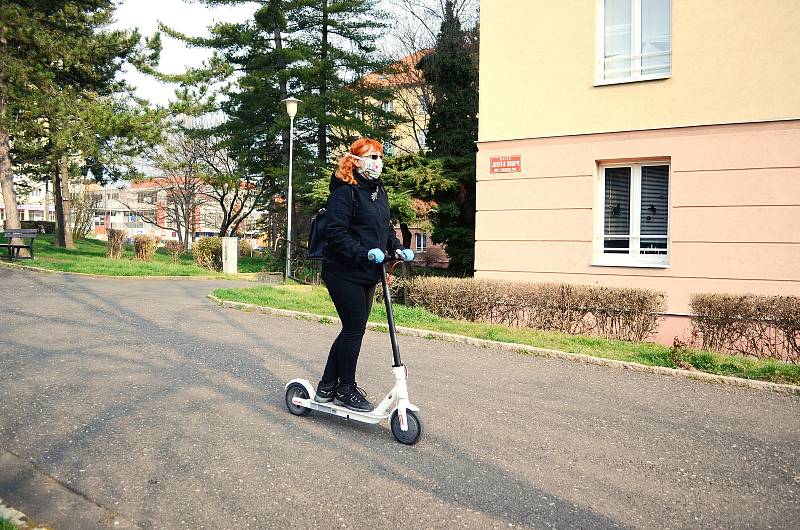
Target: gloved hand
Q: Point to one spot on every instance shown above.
(406, 254)
(375, 255)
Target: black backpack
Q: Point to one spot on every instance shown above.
(318, 233)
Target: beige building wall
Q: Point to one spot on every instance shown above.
(407, 135)
(726, 119)
(732, 61)
(734, 214)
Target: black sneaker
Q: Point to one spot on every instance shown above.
(353, 398)
(325, 392)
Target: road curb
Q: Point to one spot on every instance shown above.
(89, 275)
(530, 350)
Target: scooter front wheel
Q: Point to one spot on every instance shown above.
(296, 390)
(412, 434)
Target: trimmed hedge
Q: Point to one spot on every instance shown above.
(145, 247)
(620, 313)
(175, 249)
(207, 253)
(245, 248)
(758, 326)
(116, 243)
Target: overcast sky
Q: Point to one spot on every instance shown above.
(189, 18)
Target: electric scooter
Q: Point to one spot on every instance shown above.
(405, 423)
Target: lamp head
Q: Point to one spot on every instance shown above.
(291, 106)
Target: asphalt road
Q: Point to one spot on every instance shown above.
(149, 400)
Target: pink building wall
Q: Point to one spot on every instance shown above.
(734, 214)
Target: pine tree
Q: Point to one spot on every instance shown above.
(60, 99)
(310, 49)
(453, 76)
(452, 73)
(337, 39)
(23, 72)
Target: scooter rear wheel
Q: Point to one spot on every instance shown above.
(414, 431)
(296, 390)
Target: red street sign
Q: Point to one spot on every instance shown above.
(505, 164)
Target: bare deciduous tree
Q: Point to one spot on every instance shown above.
(236, 193)
(414, 33)
(412, 97)
(84, 204)
(172, 201)
(417, 21)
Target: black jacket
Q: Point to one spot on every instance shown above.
(359, 221)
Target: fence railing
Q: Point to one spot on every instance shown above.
(302, 268)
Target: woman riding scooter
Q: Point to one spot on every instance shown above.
(360, 231)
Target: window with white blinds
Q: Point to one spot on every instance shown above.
(653, 213)
(617, 211)
(633, 225)
(634, 40)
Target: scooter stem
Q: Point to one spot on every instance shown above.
(387, 300)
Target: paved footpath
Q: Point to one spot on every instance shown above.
(161, 410)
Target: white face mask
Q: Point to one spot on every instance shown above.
(372, 167)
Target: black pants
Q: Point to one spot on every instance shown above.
(353, 302)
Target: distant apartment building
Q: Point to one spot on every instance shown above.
(144, 208)
(34, 202)
(137, 209)
(641, 143)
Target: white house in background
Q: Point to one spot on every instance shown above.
(33, 198)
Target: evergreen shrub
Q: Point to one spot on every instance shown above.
(245, 248)
(207, 253)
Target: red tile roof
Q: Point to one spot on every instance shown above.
(399, 73)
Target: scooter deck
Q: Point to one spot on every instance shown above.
(338, 410)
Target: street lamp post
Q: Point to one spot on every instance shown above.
(291, 110)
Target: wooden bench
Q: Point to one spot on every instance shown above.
(19, 233)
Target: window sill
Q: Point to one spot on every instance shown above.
(631, 264)
(623, 80)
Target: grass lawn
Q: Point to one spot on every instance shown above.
(317, 301)
(89, 256)
(5, 524)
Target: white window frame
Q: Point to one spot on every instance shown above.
(636, 46)
(634, 258)
(424, 247)
(422, 138)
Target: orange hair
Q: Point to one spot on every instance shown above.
(347, 164)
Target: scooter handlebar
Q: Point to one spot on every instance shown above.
(388, 257)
